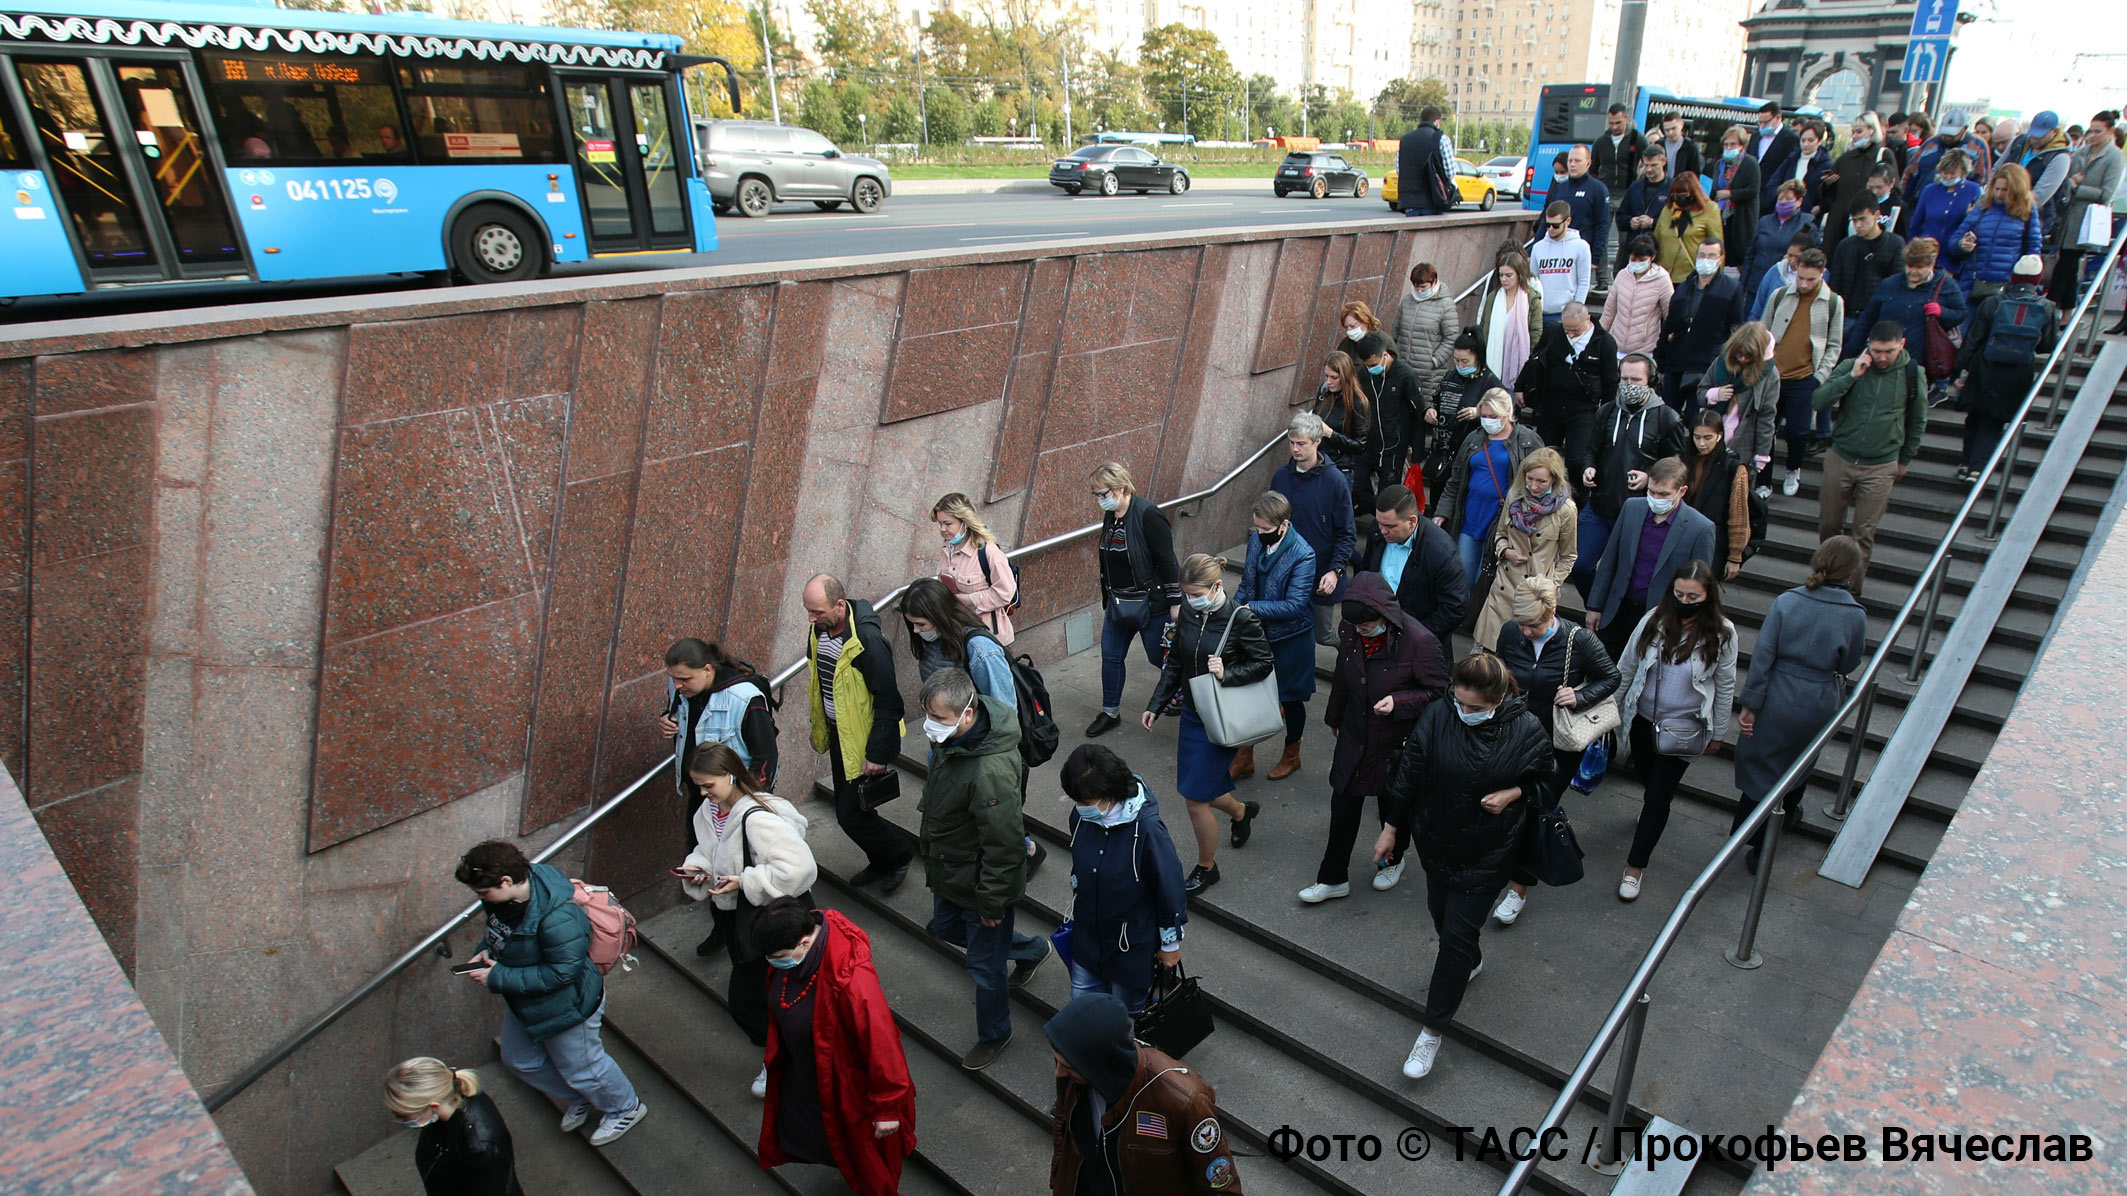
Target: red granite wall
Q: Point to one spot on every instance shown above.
(295, 603)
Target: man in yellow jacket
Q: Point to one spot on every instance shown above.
(856, 720)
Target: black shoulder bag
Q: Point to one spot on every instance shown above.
(1179, 1014)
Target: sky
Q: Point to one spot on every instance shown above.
(2022, 55)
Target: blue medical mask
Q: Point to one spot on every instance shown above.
(1482, 716)
(1467, 371)
(1659, 505)
(784, 963)
(955, 541)
(1378, 370)
(1730, 155)
(1108, 502)
(414, 1125)
(1088, 813)
(1205, 601)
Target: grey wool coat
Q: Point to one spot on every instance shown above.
(1811, 640)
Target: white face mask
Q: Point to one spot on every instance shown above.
(928, 637)
(1427, 291)
(938, 732)
(1207, 601)
(1352, 334)
(1706, 266)
(1659, 505)
(1639, 267)
(1492, 424)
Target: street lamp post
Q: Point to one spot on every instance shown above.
(864, 128)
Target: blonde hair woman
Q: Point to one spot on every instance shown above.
(1138, 590)
(1537, 535)
(974, 566)
(464, 1149)
(1203, 769)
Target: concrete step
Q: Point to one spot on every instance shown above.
(669, 1151)
(547, 1159)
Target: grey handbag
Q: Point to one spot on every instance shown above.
(1237, 716)
(1677, 736)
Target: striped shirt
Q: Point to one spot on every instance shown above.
(824, 662)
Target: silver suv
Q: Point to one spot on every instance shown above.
(751, 165)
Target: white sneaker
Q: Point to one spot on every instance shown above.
(1764, 492)
(1791, 485)
(1420, 1061)
(613, 1125)
(1316, 894)
(1386, 878)
(1509, 908)
(760, 1085)
(578, 1113)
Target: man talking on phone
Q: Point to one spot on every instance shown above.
(537, 956)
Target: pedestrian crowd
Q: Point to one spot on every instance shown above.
(1446, 479)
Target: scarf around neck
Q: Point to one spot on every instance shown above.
(1528, 513)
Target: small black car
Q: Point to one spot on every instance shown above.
(1319, 175)
(1112, 168)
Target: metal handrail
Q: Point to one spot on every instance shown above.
(1765, 817)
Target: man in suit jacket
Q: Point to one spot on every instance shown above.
(1654, 536)
(1776, 147)
(1420, 563)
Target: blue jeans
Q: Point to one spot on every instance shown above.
(1593, 532)
(1472, 561)
(1558, 318)
(1084, 982)
(570, 1066)
(1796, 418)
(989, 948)
(1115, 649)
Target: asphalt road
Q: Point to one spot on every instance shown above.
(801, 232)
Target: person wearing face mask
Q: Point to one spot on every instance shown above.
(1138, 587)
(1916, 294)
(1631, 434)
(2094, 174)
(1397, 400)
(1681, 670)
(1882, 186)
(839, 1092)
(1572, 375)
(464, 1148)
(1736, 183)
(1322, 513)
(1776, 149)
(1719, 484)
(1743, 388)
(1848, 177)
(1425, 329)
(741, 861)
(536, 949)
(1775, 229)
(1782, 273)
(1862, 262)
(1812, 637)
(1485, 468)
(1807, 322)
(1562, 261)
(1462, 791)
(1358, 329)
(1224, 640)
(1513, 317)
(1389, 668)
(1942, 205)
(1701, 315)
(1542, 650)
(2047, 158)
(1685, 227)
(1879, 404)
(1924, 165)
(1641, 201)
(1278, 583)
(973, 840)
(1537, 535)
(973, 565)
(1638, 301)
(1655, 535)
(1128, 909)
(1454, 409)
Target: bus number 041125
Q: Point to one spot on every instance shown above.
(384, 189)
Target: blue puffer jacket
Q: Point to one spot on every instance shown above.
(1126, 885)
(543, 966)
(1770, 245)
(2002, 239)
(1939, 212)
(1280, 588)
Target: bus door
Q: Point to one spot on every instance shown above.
(137, 183)
(628, 161)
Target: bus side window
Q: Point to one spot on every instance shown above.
(303, 110)
(479, 112)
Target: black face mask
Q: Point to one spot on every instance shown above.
(1269, 540)
(509, 911)
(1691, 607)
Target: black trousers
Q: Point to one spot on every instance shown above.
(1569, 428)
(1663, 774)
(1790, 817)
(1457, 917)
(1295, 721)
(1618, 631)
(1346, 811)
(2067, 278)
(748, 990)
(883, 847)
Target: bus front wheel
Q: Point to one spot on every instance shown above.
(494, 243)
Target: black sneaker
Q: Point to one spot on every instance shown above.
(983, 1054)
(1034, 861)
(892, 880)
(1023, 969)
(713, 944)
(1102, 724)
(1246, 826)
(864, 876)
(1200, 878)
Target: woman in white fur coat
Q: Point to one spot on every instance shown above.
(749, 850)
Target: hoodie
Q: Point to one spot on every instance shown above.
(1562, 266)
(1407, 665)
(1138, 1123)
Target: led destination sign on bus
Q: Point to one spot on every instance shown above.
(228, 69)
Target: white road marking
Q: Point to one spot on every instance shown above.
(1031, 235)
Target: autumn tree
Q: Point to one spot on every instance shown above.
(1188, 77)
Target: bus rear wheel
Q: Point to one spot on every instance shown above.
(494, 243)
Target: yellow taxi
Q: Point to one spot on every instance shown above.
(1475, 188)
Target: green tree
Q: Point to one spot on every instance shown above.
(820, 109)
(1399, 104)
(949, 114)
(989, 118)
(902, 121)
(857, 33)
(1188, 77)
(1342, 118)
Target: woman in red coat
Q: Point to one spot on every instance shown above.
(857, 1113)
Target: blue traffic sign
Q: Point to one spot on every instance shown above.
(1933, 18)
(1925, 58)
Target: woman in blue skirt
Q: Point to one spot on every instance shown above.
(1202, 767)
(1278, 584)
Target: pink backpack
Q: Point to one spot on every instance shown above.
(613, 932)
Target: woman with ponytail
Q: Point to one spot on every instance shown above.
(464, 1150)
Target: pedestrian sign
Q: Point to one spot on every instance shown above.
(1933, 18)
(1925, 58)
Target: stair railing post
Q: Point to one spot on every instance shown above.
(2008, 471)
(1927, 625)
(1609, 1159)
(1844, 803)
(2097, 310)
(1745, 953)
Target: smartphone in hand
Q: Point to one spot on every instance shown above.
(460, 969)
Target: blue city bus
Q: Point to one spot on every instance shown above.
(150, 143)
(1570, 114)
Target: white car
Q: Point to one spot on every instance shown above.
(1504, 173)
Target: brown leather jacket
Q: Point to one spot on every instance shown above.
(1165, 1130)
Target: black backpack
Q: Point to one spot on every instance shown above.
(2019, 324)
(982, 558)
(1038, 736)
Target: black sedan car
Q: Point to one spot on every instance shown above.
(1319, 175)
(1112, 168)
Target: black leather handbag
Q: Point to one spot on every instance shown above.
(1555, 855)
(1179, 1015)
(880, 788)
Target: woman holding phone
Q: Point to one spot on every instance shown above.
(749, 850)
